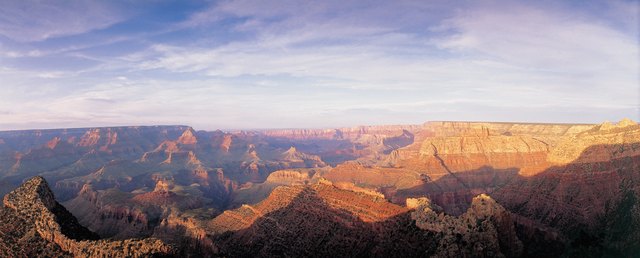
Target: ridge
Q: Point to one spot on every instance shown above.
(35, 202)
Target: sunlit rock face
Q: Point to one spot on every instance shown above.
(416, 190)
(566, 177)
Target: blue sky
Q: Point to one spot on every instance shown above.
(311, 64)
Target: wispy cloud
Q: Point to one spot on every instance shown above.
(28, 20)
(328, 63)
(507, 50)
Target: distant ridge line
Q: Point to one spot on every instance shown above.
(526, 123)
(72, 129)
(89, 128)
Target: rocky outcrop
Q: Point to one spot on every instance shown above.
(164, 186)
(318, 220)
(289, 177)
(368, 208)
(225, 144)
(188, 234)
(292, 155)
(53, 143)
(90, 138)
(188, 137)
(294, 158)
(485, 230)
(35, 202)
(321, 219)
(252, 193)
(251, 155)
(18, 238)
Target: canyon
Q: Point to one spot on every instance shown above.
(440, 189)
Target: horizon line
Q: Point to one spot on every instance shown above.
(300, 128)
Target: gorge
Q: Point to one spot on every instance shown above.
(440, 189)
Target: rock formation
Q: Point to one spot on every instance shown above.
(564, 189)
(485, 230)
(35, 204)
(318, 220)
(188, 137)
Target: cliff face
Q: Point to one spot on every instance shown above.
(586, 197)
(569, 187)
(458, 160)
(456, 168)
(447, 128)
(35, 204)
(612, 141)
(571, 178)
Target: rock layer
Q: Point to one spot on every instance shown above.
(566, 189)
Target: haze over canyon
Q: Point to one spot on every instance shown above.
(439, 189)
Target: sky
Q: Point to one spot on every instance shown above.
(315, 64)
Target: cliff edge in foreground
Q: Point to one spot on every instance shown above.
(32, 218)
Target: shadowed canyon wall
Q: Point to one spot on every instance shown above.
(570, 188)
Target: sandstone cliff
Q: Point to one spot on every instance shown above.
(570, 178)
